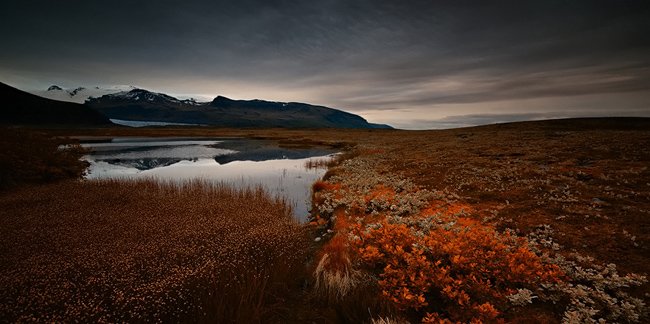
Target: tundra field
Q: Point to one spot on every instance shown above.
(532, 222)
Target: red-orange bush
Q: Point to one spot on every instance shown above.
(457, 270)
(322, 185)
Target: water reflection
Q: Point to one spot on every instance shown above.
(147, 153)
(240, 162)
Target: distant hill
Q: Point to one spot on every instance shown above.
(21, 108)
(143, 105)
(576, 124)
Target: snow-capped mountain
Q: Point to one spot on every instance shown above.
(136, 95)
(80, 94)
(128, 104)
(139, 105)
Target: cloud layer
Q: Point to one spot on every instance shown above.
(382, 59)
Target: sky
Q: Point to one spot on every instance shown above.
(411, 64)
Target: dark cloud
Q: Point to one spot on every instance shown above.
(358, 55)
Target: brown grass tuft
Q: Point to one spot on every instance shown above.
(335, 279)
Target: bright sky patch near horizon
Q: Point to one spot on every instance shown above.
(410, 64)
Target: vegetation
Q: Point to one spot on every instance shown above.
(136, 251)
(30, 157)
(433, 257)
(458, 269)
(540, 222)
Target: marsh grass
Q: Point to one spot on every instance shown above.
(115, 250)
(333, 161)
(29, 157)
(318, 163)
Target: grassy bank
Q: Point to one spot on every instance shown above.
(133, 251)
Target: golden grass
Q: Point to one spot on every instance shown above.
(388, 320)
(138, 250)
(334, 275)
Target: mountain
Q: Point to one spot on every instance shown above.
(21, 108)
(79, 94)
(147, 106)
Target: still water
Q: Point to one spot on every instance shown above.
(236, 161)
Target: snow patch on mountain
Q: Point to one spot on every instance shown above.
(140, 95)
(80, 94)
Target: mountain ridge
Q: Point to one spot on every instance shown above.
(143, 105)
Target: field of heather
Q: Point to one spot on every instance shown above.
(537, 222)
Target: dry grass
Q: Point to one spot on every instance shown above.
(142, 251)
(334, 284)
(28, 157)
(389, 320)
(333, 161)
(335, 277)
(318, 163)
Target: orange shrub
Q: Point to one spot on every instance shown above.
(322, 185)
(458, 270)
(319, 186)
(380, 192)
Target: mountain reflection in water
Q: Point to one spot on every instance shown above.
(236, 161)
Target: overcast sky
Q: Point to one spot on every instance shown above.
(411, 64)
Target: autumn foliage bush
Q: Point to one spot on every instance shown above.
(457, 270)
(432, 263)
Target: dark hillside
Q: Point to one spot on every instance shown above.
(21, 108)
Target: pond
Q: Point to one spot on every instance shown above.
(237, 161)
